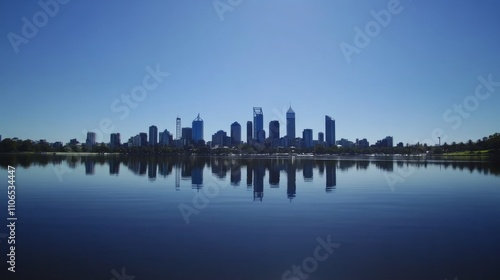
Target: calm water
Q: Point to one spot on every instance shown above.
(219, 218)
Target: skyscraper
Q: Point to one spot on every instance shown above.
(90, 141)
(321, 137)
(249, 132)
(307, 135)
(177, 128)
(330, 131)
(143, 136)
(197, 129)
(165, 138)
(258, 122)
(187, 133)
(153, 135)
(235, 133)
(290, 123)
(274, 130)
(114, 140)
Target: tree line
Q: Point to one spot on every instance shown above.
(490, 145)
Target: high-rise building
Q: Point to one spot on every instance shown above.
(164, 139)
(153, 135)
(330, 130)
(178, 128)
(307, 135)
(114, 140)
(90, 141)
(197, 129)
(274, 130)
(290, 123)
(220, 138)
(187, 133)
(258, 122)
(321, 137)
(144, 139)
(249, 132)
(235, 133)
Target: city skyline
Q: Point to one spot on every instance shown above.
(409, 80)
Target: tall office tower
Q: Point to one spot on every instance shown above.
(166, 138)
(258, 122)
(307, 135)
(274, 130)
(235, 134)
(153, 135)
(187, 133)
(330, 131)
(144, 139)
(114, 140)
(90, 141)
(290, 124)
(177, 128)
(321, 137)
(249, 132)
(197, 129)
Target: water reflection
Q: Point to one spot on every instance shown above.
(192, 168)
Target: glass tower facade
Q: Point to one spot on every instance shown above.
(197, 129)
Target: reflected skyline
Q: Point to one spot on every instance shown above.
(232, 170)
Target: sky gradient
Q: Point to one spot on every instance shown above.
(267, 54)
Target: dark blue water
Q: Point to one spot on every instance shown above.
(187, 218)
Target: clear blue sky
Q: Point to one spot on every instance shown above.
(263, 53)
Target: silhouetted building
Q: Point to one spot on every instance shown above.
(363, 143)
(321, 137)
(165, 138)
(290, 123)
(258, 122)
(307, 135)
(153, 135)
(114, 140)
(178, 134)
(144, 139)
(274, 130)
(345, 143)
(187, 135)
(249, 132)
(197, 129)
(220, 139)
(235, 134)
(330, 131)
(386, 142)
(90, 141)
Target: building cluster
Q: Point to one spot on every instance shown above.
(255, 135)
